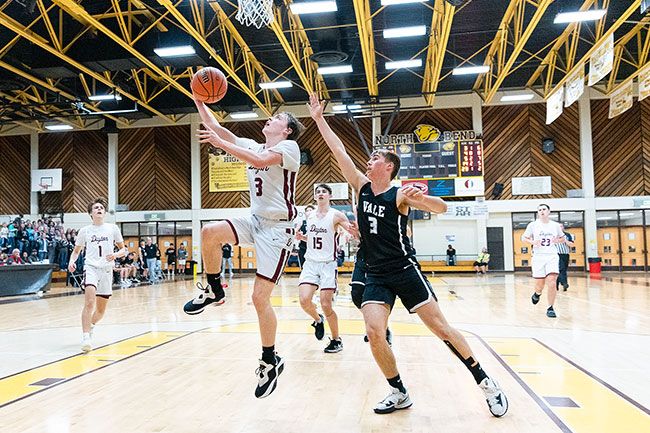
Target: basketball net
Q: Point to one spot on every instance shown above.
(256, 13)
(43, 188)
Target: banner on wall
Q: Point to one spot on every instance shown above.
(644, 82)
(622, 99)
(602, 60)
(467, 210)
(575, 87)
(227, 173)
(554, 105)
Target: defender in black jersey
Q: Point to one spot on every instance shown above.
(392, 269)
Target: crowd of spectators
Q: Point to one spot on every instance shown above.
(23, 242)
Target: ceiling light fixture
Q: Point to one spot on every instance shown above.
(522, 97)
(313, 7)
(276, 85)
(329, 70)
(469, 70)
(244, 115)
(59, 127)
(402, 32)
(579, 16)
(399, 64)
(183, 50)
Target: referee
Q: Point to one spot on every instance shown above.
(563, 250)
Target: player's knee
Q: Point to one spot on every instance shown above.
(376, 333)
(327, 308)
(305, 301)
(260, 300)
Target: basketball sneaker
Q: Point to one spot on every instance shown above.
(267, 376)
(396, 400)
(334, 346)
(319, 328)
(535, 298)
(92, 330)
(205, 298)
(550, 312)
(86, 344)
(494, 396)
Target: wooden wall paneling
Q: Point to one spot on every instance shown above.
(56, 150)
(173, 167)
(512, 136)
(90, 168)
(644, 106)
(137, 168)
(15, 176)
(619, 153)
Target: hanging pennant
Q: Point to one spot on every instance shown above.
(554, 105)
(575, 87)
(621, 99)
(644, 82)
(602, 60)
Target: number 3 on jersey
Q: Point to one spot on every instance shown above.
(373, 225)
(258, 186)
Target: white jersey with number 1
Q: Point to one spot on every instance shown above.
(322, 238)
(545, 233)
(99, 241)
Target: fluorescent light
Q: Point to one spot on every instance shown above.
(244, 115)
(182, 50)
(522, 97)
(112, 97)
(343, 107)
(574, 17)
(313, 7)
(399, 2)
(328, 70)
(276, 85)
(469, 70)
(59, 127)
(415, 63)
(401, 32)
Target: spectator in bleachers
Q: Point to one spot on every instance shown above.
(42, 246)
(3, 259)
(4, 235)
(15, 259)
(33, 257)
(11, 238)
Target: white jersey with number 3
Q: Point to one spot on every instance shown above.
(99, 241)
(545, 233)
(273, 189)
(322, 238)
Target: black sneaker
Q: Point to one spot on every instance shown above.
(205, 298)
(334, 346)
(535, 298)
(319, 328)
(550, 312)
(565, 286)
(267, 376)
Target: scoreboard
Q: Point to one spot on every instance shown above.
(452, 168)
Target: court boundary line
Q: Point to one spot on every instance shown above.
(93, 370)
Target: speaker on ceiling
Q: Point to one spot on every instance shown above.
(305, 157)
(497, 190)
(548, 145)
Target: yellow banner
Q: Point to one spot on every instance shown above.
(644, 82)
(227, 173)
(622, 99)
(602, 60)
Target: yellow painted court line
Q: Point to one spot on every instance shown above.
(545, 373)
(21, 385)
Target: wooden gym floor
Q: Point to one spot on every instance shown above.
(159, 370)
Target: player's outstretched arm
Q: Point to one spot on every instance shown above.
(211, 122)
(350, 172)
(257, 160)
(341, 220)
(413, 196)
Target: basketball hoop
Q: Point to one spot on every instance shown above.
(256, 13)
(42, 188)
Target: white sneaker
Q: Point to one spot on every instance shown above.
(495, 397)
(86, 344)
(394, 401)
(92, 330)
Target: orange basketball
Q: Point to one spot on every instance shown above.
(209, 85)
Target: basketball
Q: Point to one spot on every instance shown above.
(209, 85)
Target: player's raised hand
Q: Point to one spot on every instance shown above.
(207, 135)
(315, 107)
(353, 229)
(414, 193)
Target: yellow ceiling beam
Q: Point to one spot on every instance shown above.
(580, 63)
(443, 16)
(20, 30)
(366, 37)
(640, 34)
(196, 34)
(496, 58)
(298, 50)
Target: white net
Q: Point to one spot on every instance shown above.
(256, 13)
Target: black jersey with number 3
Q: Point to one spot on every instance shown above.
(383, 231)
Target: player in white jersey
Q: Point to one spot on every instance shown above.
(99, 240)
(272, 170)
(319, 270)
(543, 234)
